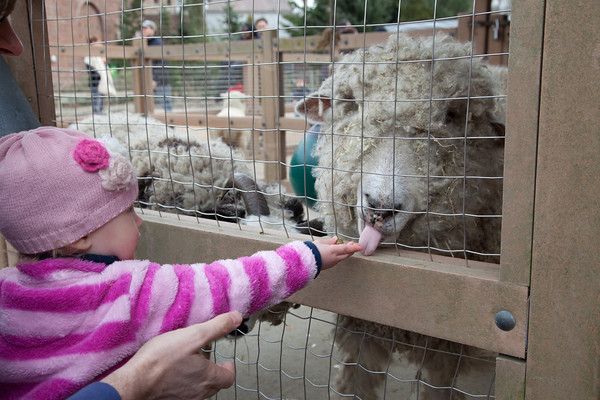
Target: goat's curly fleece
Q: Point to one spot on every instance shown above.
(187, 173)
(67, 322)
(391, 114)
(177, 170)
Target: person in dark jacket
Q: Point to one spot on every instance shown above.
(160, 71)
(232, 73)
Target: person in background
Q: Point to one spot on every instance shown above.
(330, 36)
(10, 44)
(100, 80)
(247, 32)
(170, 365)
(94, 78)
(160, 73)
(261, 24)
(15, 109)
(77, 238)
(232, 73)
(344, 26)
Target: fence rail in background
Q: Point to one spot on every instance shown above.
(263, 62)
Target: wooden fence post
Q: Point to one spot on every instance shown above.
(272, 109)
(478, 34)
(142, 80)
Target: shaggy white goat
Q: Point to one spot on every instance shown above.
(411, 152)
(179, 173)
(234, 105)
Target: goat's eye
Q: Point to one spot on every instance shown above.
(347, 101)
(450, 116)
(349, 106)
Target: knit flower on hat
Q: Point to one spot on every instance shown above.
(91, 155)
(107, 157)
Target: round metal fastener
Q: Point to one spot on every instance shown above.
(505, 320)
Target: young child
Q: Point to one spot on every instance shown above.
(78, 305)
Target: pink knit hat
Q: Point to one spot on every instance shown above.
(58, 185)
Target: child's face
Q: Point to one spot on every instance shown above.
(147, 31)
(118, 237)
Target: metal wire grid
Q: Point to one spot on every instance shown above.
(196, 87)
(300, 359)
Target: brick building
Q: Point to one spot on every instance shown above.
(71, 23)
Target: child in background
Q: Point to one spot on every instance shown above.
(100, 79)
(78, 305)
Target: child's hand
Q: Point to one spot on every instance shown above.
(332, 253)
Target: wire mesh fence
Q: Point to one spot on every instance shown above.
(301, 358)
(385, 131)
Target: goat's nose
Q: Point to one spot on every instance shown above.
(373, 218)
(379, 215)
(240, 330)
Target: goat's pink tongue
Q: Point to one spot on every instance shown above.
(369, 240)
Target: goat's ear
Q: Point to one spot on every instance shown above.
(313, 107)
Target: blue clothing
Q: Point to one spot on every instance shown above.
(300, 93)
(160, 75)
(162, 97)
(97, 98)
(96, 391)
(16, 114)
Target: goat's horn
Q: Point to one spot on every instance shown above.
(255, 201)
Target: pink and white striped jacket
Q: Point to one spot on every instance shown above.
(67, 322)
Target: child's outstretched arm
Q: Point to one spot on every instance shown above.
(332, 253)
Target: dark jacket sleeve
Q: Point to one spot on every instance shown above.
(97, 391)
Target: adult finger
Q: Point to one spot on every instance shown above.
(197, 336)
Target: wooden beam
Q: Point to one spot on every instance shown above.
(510, 378)
(272, 110)
(564, 332)
(522, 108)
(32, 69)
(433, 298)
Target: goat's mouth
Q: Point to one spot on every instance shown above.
(371, 232)
(374, 231)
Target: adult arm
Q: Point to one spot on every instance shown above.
(171, 366)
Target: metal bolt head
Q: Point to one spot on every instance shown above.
(505, 320)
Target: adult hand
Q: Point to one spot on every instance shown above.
(172, 366)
